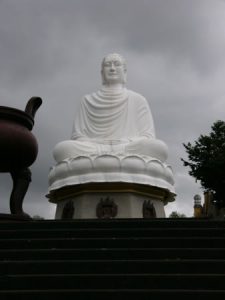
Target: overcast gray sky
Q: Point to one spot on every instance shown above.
(175, 52)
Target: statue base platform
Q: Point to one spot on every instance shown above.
(109, 200)
(110, 186)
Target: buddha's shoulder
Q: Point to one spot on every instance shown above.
(137, 96)
(88, 97)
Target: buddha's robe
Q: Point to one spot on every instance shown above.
(112, 121)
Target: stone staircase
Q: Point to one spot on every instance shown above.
(112, 259)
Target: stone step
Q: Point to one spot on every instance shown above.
(112, 259)
(114, 223)
(111, 232)
(132, 266)
(130, 242)
(112, 253)
(114, 281)
(122, 294)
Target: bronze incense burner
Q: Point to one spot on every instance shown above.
(18, 150)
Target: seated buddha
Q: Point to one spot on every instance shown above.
(113, 120)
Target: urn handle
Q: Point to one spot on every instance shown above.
(32, 106)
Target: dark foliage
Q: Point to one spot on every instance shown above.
(206, 159)
(175, 214)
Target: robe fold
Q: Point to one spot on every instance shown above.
(113, 116)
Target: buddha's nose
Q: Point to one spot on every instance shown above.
(112, 67)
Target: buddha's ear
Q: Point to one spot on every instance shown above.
(125, 74)
(103, 77)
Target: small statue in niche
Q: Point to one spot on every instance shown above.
(106, 209)
(148, 210)
(68, 210)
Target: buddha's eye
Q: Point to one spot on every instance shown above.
(117, 63)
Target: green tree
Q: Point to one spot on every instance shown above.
(206, 159)
(175, 214)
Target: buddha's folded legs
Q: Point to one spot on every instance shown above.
(150, 147)
(70, 148)
(142, 146)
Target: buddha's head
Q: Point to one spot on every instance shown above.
(114, 69)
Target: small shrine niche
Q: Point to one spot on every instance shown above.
(148, 210)
(106, 209)
(68, 210)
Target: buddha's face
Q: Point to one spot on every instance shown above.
(113, 70)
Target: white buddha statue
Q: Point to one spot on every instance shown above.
(113, 154)
(113, 120)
